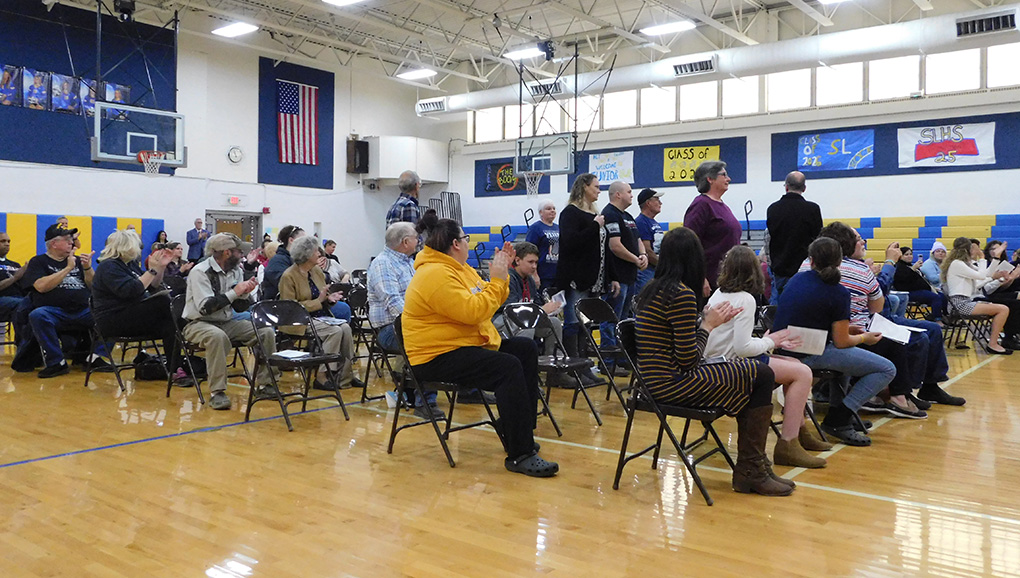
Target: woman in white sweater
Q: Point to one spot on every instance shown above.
(964, 273)
(740, 277)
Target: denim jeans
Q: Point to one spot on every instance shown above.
(8, 305)
(341, 310)
(875, 372)
(643, 278)
(47, 321)
(935, 364)
(621, 306)
(571, 325)
(936, 301)
(388, 341)
(778, 284)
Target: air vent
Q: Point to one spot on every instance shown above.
(546, 88)
(986, 24)
(696, 67)
(430, 106)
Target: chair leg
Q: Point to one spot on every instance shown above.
(718, 442)
(584, 391)
(658, 441)
(688, 462)
(546, 410)
(623, 450)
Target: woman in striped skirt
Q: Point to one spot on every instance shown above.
(670, 343)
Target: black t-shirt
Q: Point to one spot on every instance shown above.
(7, 270)
(621, 224)
(71, 294)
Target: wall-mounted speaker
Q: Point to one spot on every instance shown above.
(357, 156)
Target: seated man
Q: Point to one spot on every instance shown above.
(524, 290)
(58, 283)
(11, 273)
(388, 277)
(215, 292)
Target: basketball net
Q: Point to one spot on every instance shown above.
(151, 160)
(531, 179)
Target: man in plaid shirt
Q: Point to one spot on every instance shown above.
(405, 208)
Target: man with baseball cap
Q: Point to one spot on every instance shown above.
(216, 290)
(932, 268)
(58, 282)
(649, 232)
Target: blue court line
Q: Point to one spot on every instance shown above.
(174, 435)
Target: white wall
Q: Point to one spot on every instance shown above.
(958, 193)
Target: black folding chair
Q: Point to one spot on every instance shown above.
(290, 320)
(957, 327)
(377, 358)
(360, 277)
(451, 390)
(125, 342)
(598, 311)
(641, 399)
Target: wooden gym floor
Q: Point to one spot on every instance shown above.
(94, 482)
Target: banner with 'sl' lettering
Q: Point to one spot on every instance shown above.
(947, 145)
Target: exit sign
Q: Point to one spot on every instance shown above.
(235, 200)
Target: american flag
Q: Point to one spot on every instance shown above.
(298, 119)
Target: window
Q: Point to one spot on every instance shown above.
(839, 84)
(952, 71)
(547, 117)
(516, 125)
(699, 100)
(1002, 65)
(587, 114)
(788, 90)
(893, 77)
(488, 124)
(740, 95)
(619, 109)
(658, 104)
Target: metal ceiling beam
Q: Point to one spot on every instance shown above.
(687, 11)
(818, 16)
(581, 15)
(924, 5)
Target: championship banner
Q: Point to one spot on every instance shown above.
(947, 145)
(609, 167)
(500, 177)
(679, 163)
(836, 151)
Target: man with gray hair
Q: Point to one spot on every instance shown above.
(216, 290)
(626, 254)
(405, 208)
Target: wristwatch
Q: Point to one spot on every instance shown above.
(153, 272)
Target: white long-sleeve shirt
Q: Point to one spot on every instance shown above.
(733, 339)
(962, 279)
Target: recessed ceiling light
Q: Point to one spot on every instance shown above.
(342, 2)
(831, 1)
(235, 29)
(530, 52)
(669, 28)
(417, 74)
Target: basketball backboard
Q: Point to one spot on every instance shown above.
(122, 131)
(551, 154)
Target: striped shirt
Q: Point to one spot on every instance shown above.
(857, 277)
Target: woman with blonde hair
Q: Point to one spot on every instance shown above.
(962, 281)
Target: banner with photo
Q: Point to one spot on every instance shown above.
(120, 93)
(87, 96)
(947, 145)
(10, 86)
(836, 151)
(36, 89)
(65, 96)
(614, 166)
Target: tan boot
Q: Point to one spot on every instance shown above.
(776, 477)
(789, 453)
(752, 473)
(810, 442)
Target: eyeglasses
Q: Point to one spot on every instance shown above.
(464, 238)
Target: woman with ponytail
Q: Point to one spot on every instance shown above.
(814, 299)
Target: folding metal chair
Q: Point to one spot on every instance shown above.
(189, 349)
(111, 342)
(451, 390)
(958, 327)
(598, 312)
(641, 399)
(360, 277)
(291, 320)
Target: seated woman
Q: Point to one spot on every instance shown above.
(908, 278)
(449, 336)
(670, 346)
(178, 265)
(962, 281)
(740, 279)
(304, 282)
(815, 299)
(121, 305)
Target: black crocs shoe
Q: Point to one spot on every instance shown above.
(532, 465)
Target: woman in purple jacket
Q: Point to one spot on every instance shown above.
(710, 218)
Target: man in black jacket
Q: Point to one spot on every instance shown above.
(793, 222)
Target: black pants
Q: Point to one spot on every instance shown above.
(150, 318)
(510, 373)
(906, 359)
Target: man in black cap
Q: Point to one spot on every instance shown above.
(650, 233)
(58, 283)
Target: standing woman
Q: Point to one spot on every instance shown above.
(962, 282)
(581, 271)
(545, 234)
(710, 218)
(670, 351)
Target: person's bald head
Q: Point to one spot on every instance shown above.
(796, 182)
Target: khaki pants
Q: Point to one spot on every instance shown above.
(217, 337)
(336, 339)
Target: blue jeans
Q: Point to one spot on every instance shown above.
(621, 306)
(47, 321)
(388, 341)
(8, 305)
(936, 301)
(778, 284)
(934, 367)
(571, 326)
(341, 310)
(874, 373)
(643, 278)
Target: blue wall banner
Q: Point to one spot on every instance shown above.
(836, 151)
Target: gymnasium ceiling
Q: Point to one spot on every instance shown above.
(465, 40)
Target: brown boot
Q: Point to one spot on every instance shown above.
(752, 473)
(789, 453)
(776, 477)
(809, 442)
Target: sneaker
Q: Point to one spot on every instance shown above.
(874, 405)
(437, 412)
(588, 379)
(98, 363)
(219, 401)
(936, 394)
(920, 403)
(908, 412)
(54, 370)
(324, 385)
(476, 396)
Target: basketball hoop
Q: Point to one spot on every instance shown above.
(151, 160)
(531, 179)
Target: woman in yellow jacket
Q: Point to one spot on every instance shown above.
(449, 336)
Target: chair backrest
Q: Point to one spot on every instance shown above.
(287, 317)
(526, 316)
(625, 334)
(359, 277)
(176, 285)
(596, 310)
(177, 310)
(358, 298)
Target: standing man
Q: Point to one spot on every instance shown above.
(625, 256)
(11, 273)
(650, 233)
(792, 223)
(932, 268)
(405, 208)
(215, 291)
(196, 242)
